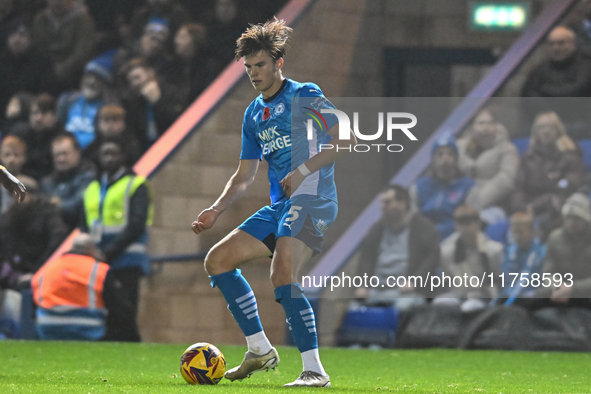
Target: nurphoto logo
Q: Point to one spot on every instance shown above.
(392, 124)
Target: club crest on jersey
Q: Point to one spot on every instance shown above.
(266, 113)
(279, 109)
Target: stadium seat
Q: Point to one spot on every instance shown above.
(368, 326)
(521, 144)
(586, 149)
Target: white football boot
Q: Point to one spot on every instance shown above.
(310, 379)
(253, 363)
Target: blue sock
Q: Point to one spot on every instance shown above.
(240, 299)
(300, 316)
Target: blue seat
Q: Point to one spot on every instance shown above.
(585, 146)
(521, 144)
(369, 326)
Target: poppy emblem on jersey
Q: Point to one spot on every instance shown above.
(266, 113)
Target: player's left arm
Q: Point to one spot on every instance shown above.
(325, 157)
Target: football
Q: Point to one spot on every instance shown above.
(203, 363)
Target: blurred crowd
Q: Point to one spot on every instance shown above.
(87, 87)
(519, 216)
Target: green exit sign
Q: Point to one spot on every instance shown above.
(498, 16)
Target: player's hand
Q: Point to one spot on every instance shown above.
(205, 220)
(291, 182)
(12, 184)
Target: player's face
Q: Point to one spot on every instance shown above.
(264, 73)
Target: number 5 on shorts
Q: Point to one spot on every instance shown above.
(293, 214)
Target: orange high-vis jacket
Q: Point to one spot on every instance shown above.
(70, 280)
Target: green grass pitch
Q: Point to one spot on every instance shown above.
(76, 367)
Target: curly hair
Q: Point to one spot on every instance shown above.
(270, 37)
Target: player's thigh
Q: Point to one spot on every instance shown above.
(234, 249)
(290, 254)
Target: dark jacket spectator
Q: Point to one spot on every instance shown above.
(423, 252)
(66, 184)
(111, 124)
(194, 71)
(154, 46)
(565, 73)
(43, 128)
(550, 170)
(223, 28)
(170, 12)
(151, 105)
(66, 32)
(23, 67)
(30, 233)
(569, 254)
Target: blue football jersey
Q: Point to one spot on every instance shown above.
(277, 130)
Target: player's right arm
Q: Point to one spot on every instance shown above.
(236, 186)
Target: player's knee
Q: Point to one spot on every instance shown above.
(212, 262)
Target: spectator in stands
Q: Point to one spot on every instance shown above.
(65, 31)
(66, 184)
(193, 67)
(550, 170)
(438, 194)
(523, 258)
(118, 212)
(223, 29)
(583, 31)
(151, 105)
(65, 308)
(568, 254)
(169, 11)
(17, 112)
(13, 153)
(565, 73)
(23, 66)
(469, 252)
(490, 159)
(111, 124)
(155, 47)
(77, 110)
(9, 16)
(400, 244)
(43, 128)
(29, 233)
